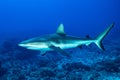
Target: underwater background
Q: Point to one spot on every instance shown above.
(24, 19)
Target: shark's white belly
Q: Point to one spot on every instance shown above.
(66, 46)
(45, 47)
(72, 44)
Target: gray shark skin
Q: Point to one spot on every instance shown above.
(60, 41)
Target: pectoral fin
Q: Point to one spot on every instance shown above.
(58, 49)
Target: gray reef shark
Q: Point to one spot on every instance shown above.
(60, 41)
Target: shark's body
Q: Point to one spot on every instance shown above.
(60, 41)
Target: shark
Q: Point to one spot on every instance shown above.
(59, 41)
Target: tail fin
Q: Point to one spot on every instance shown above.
(100, 37)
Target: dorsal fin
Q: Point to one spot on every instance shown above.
(60, 30)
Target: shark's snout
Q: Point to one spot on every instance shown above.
(22, 45)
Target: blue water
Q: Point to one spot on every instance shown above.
(24, 19)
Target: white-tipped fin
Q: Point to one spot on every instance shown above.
(60, 29)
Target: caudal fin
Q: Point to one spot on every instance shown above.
(100, 37)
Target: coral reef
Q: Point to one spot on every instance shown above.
(17, 63)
